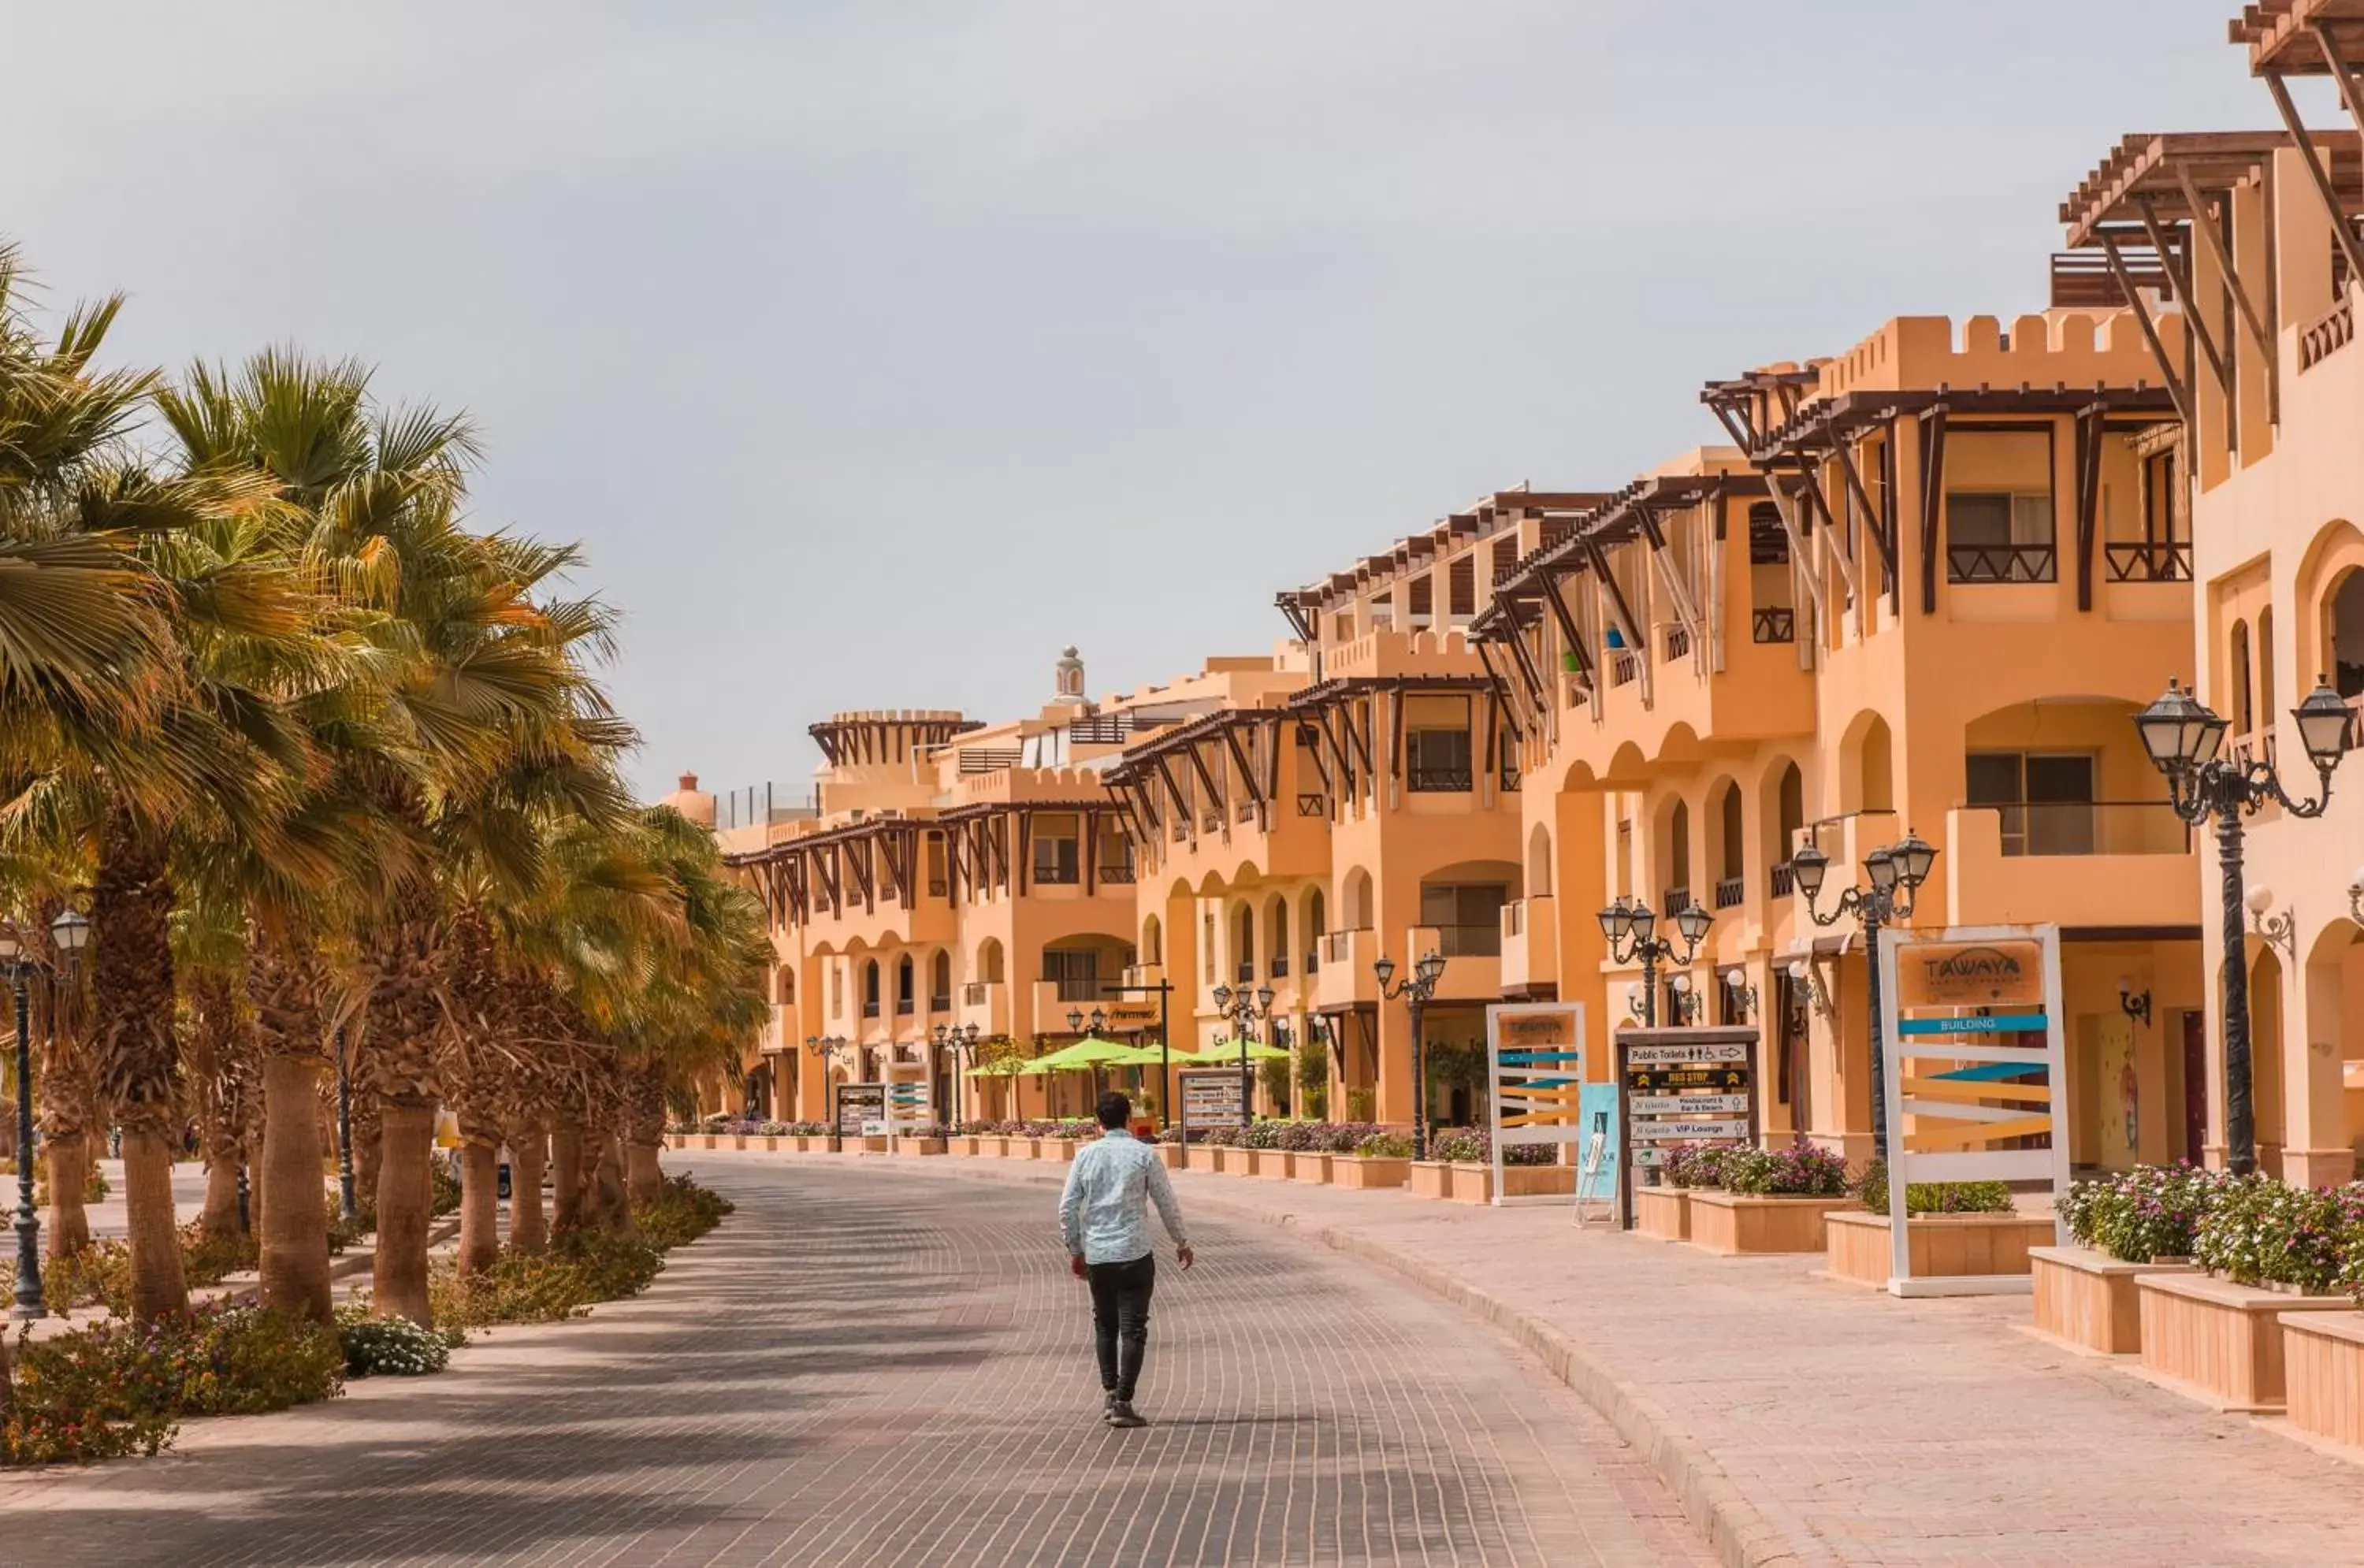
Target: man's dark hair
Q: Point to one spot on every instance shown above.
(1115, 1109)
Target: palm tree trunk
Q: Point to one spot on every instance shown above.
(220, 1215)
(69, 1163)
(160, 1284)
(398, 1287)
(567, 1177)
(294, 1224)
(527, 1232)
(644, 1179)
(614, 1212)
(480, 1175)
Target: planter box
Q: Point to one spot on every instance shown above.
(677, 1140)
(812, 1142)
(1200, 1157)
(2087, 1299)
(915, 1147)
(2219, 1343)
(1271, 1163)
(739, 1140)
(1729, 1224)
(1431, 1178)
(1663, 1212)
(1026, 1147)
(1471, 1183)
(874, 1145)
(1232, 1162)
(1061, 1150)
(1174, 1156)
(1538, 1181)
(706, 1141)
(771, 1143)
(2323, 1359)
(1950, 1246)
(1310, 1167)
(1373, 1171)
(967, 1143)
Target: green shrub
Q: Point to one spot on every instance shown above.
(1933, 1197)
(581, 1268)
(1698, 1164)
(1362, 1103)
(390, 1346)
(2257, 1231)
(680, 1213)
(1385, 1146)
(443, 1188)
(2151, 1211)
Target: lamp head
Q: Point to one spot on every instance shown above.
(1384, 968)
(2179, 732)
(1223, 997)
(1616, 921)
(1099, 1020)
(1642, 921)
(1694, 922)
(1914, 856)
(1074, 1021)
(1807, 866)
(1430, 969)
(1264, 998)
(1881, 864)
(69, 932)
(2261, 899)
(2325, 726)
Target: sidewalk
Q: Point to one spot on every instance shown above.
(1805, 1422)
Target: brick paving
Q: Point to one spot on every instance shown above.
(866, 1369)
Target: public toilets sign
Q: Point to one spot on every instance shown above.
(1535, 1058)
(1210, 1096)
(1976, 1083)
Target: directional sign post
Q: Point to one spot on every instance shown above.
(1536, 1065)
(1676, 1086)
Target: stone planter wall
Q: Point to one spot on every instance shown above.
(1201, 1157)
(1729, 1224)
(1538, 1181)
(1943, 1245)
(771, 1143)
(1310, 1167)
(1061, 1150)
(2219, 1343)
(2323, 1359)
(918, 1146)
(1232, 1162)
(1374, 1171)
(874, 1145)
(1173, 1155)
(1663, 1212)
(1472, 1183)
(1431, 1178)
(966, 1143)
(1270, 1162)
(706, 1141)
(2087, 1299)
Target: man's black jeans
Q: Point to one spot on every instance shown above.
(1121, 1294)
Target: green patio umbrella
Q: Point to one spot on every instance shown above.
(1088, 1052)
(1227, 1052)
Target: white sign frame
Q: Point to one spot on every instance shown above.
(1572, 1132)
(1905, 1167)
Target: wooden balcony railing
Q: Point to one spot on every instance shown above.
(2001, 563)
(1117, 871)
(1781, 882)
(1437, 781)
(1729, 891)
(1773, 623)
(1678, 642)
(1313, 806)
(2330, 333)
(2141, 561)
(1676, 899)
(1624, 667)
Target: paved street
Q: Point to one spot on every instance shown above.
(862, 1368)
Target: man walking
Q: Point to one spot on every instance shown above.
(1104, 1220)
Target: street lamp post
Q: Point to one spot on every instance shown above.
(2183, 737)
(1244, 1010)
(1416, 990)
(1897, 874)
(348, 1203)
(1632, 928)
(960, 1041)
(68, 932)
(825, 1049)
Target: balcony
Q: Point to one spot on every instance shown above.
(1473, 954)
(2328, 334)
(1730, 891)
(2140, 562)
(2001, 563)
(985, 1004)
(2107, 863)
(1673, 901)
(1529, 943)
(1773, 623)
(1345, 976)
(1781, 881)
(1438, 781)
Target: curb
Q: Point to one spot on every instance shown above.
(1711, 1499)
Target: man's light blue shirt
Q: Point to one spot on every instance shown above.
(1104, 1213)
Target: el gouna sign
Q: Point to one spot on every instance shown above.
(2008, 974)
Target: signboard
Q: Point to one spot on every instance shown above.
(908, 1107)
(1534, 1059)
(860, 1108)
(1676, 1086)
(1974, 1077)
(1210, 1096)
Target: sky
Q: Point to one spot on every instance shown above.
(874, 350)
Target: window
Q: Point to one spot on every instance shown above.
(1279, 966)
(1421, 600)
(939, 983)
(1461, 586)
(1314, 930)
(1506, 556)
(2244, 715)
(1243, 945)
(870, 989)
(1998, 536)
(1467, 916)
(1437, 759)
(2045, 800)
(1075, 971)
(1055, 860)
(939, 886)
(906, 986)
(1207, 946)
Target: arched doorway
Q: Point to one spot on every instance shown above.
(2266, 1058)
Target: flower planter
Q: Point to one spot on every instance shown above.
(1310, 1167)
(1729, 1224)
(873, 1143)
(1471, 1183)
(1271, 1163)
(813, 1143)
(1944, 1246)
(967, 1143)
(1368, 1171)
(1232, 1162)
(1026, 1147)
(2087, 1300)
(677, 1140)
(1538, 1181)
(2222, 1343)
(771, 1143)
(1061, 1149)
(1663, 1212)
(918, 1146)
(706, 1141)
(1201, 1157)
(1431, 1178)
(1174, 1155)
(2323, 1361)
(739, 1140)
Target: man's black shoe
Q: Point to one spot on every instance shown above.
(1121, 1414)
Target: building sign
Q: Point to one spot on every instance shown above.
(1210, 1097)
(1676, 1086)
(1127, 1017)
(1535, 1061)
(1975, 1079)
(2006, 973)
(860, 1108)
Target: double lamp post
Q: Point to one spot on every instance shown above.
(67, 933)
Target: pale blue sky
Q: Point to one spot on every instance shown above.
(876, 351)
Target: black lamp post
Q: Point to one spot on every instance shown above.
(1897, 874)
(348, 1203)
(1632, 928)
(1245, 1011)
(1418, 987)
(68, 932)
(2183, 737)
(825, 1049)
(960, 1042)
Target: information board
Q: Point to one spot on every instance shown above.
(1676, 1086)
(1974, 1075)
(1536, 1058)
(908, 1107)
(1209, 1095)
(860, 1108)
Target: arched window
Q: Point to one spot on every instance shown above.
(870, 988)
(988, 961)
(1731, 863)
(1279, 970)
(1793, 808)
(2236, 675)
(1315, 928)
(906, 985)
(2344, 635)
(2266, 707)
(939, 982)
(1678, 858)
(1539, 869)
(1243, 945)
(1152, 941)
